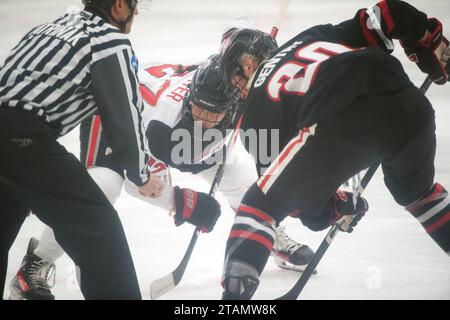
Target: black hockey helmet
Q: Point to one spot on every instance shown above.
(254, 42)
(211, 91)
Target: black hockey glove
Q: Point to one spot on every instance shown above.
(197, 208)
(428, 53)
(345, 213)
(339, 209)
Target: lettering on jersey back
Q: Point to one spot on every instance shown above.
(179, 93)
(270, 65)
(65, 32)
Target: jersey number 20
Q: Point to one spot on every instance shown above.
(295, 77)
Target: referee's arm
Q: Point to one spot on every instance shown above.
(116, 91)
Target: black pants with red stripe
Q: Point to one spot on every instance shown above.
(38, 174)
(94, 148)
(397, 129)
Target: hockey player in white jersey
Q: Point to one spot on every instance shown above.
(180, 102)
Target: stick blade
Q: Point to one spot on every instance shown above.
(161, 286)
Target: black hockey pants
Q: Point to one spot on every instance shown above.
(397, 129)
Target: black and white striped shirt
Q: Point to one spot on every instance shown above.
(73, 67)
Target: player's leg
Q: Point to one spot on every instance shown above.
(239, 174)
(109, 181)
(62, 194)
(88, 229)
(32, 280)
(302, 181)
(12, 215)
(409, 171)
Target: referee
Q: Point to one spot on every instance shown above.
(60, 73)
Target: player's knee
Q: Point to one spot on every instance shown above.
(109, 181)
(272, 207)
(240, 281)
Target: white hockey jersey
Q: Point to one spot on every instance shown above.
(164, 87)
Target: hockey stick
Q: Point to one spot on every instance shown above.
(425, 85)
(281, 14)
(163, 285)
(301, 282)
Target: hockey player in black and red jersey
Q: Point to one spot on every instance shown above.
(341, 103)
(175, 96)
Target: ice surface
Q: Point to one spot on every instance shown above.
(389, 256)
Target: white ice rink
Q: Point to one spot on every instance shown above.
(388, 256)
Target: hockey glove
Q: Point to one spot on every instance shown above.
(345, 213)
(428, 53)
(197, 208)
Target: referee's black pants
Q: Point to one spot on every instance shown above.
(38, 174)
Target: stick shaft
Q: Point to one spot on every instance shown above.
(280, 17)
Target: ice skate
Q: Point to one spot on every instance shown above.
(289, 254)
(32, 280)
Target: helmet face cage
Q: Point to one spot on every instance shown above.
(211, 91)
(190, 122)
(253, 42)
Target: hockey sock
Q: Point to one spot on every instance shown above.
(251, 238)
(433, 212)
(248, 247)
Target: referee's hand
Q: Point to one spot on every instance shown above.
(153, 187)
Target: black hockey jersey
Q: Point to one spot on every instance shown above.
(321, 71)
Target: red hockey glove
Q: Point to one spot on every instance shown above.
(428, 53)
(197, 208)
(345, 212)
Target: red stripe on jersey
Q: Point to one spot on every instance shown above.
(252, 210)
(282, 157)
(93, 141)
(252, 236)
(386, 14)
(367, 33)
(438, 223)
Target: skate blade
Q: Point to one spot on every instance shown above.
(289, 266)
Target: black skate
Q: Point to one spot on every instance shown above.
(32, 280)
(289, 254)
